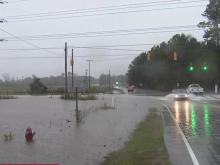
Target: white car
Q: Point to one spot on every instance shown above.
(180, 95)
(195, 89)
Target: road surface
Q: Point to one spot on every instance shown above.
(200, 122)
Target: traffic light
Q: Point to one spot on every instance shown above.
(148, 56)
(71, 62)
(205, 68)
(174, 56)
(191, 68)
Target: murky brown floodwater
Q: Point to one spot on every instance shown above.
(59, 138)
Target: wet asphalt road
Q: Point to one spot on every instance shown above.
(59, 138)
(200, 123)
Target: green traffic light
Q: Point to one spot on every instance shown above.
(191, 68)
(205, 68)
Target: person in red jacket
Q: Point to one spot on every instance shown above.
(29, 134)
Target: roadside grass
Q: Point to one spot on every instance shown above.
(145, 147)
(14, 90)
(99, 89)
(82, 97)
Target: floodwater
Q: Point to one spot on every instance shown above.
(59, 137)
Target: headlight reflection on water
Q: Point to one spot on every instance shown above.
(187, 112)
(177, 113)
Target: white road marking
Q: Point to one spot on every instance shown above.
(191, 153)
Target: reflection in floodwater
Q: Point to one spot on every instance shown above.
(187, 113)
(193, 118)
(186, 106)
(206, 120)
(179, 107)
(177, 113)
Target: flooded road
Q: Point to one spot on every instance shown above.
(200, 123)
(59, 138)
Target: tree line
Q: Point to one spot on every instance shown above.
(182, 60)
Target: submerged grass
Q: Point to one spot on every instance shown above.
(80, 97)
(5, 97)
(8, 136)
(146, 146)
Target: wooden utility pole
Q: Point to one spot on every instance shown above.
(72, 62)
(89, 73)
(66, 80)
(86, 79)
(77, 108)
(109, 79)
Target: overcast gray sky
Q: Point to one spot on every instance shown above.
(152, 15)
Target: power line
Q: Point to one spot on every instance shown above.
(17, 1)
(78, 47)
(33, 57)
(127, 45)
(80, 11)
(28, 43)
(107, 13)
(102, 48)
(61, 57)
(60, 48)
(28, 49)
(89, 9)
(109, 33)
(113, 31)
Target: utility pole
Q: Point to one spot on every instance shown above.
(216, 22)
(89, 73)
(86, 79)
(72, 62)
(66, 80)
(109, 79)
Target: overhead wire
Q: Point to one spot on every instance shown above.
(26, 42)
(94, 8)
(107, 13)
(120, 7)
(120, 32)
(17, 1)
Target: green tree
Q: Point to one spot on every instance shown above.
(211, 26)
(163, 72)
(37, 87)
